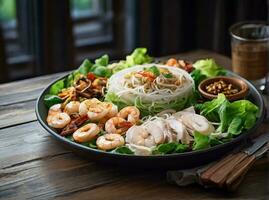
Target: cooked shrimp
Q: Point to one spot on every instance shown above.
(117, 125)
(137, 135)
(72, 107)
(130, 113)
(97, 113)
(93, 108)
(156, 129)
(112, 109)
(55, 108)
(109, 141)
(56, 118)
(143, 136)
(172, 62)
(86, 133)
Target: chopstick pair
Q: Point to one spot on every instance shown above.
(229, 171)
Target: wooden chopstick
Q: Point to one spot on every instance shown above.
(205, 176)
(221, 174)
(241, 168)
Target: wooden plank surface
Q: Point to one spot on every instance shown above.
(25, 90)
(35, 166)
(17, 113)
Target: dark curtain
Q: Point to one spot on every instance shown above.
(173, 26)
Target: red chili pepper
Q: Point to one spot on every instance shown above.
(147, 74)
(91, 76)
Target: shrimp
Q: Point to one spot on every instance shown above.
(112, 109)
(86, 133)
(93, 108)
(142, 136)
(130, 113)
(117, 125)
(56, 118)
(109, 141)
(72, 107)
(172, 62)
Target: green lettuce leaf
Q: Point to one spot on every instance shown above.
(102, 61)
(197, 76)
(57, 87)
(85, 67)
(234, 117)
(236, 126)
(210, 109)
(101, 71)
(172, 147)
(51, 100)
(209, 68)
(200, 141)
(139, 56)
(72, 78)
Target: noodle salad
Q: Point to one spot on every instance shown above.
(151, 88)
(137, 106)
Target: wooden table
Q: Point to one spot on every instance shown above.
(35, 166)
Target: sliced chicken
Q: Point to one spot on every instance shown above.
(181, 132)
(198, 123)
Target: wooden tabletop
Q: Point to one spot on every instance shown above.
(34, 166)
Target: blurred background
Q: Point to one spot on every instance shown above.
(48, 36)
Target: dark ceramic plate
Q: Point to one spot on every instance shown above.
(170, 161)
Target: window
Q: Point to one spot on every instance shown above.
(42, 37)
(9, 25)
(19, 62)
(92, 21)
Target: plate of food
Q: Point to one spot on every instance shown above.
(143, 113)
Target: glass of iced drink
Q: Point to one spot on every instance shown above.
(250, 51)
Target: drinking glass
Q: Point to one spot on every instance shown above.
(250, 51)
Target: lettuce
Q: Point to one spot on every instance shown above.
(102, 61)
(139, 56)
(209, 68)
(206, 68)
(200, 141)
(85, 67)
(172, 147)
(99, 68)
(57, 87)
(210, 109)
(51, 100)
(197, 76)
(234, 117)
